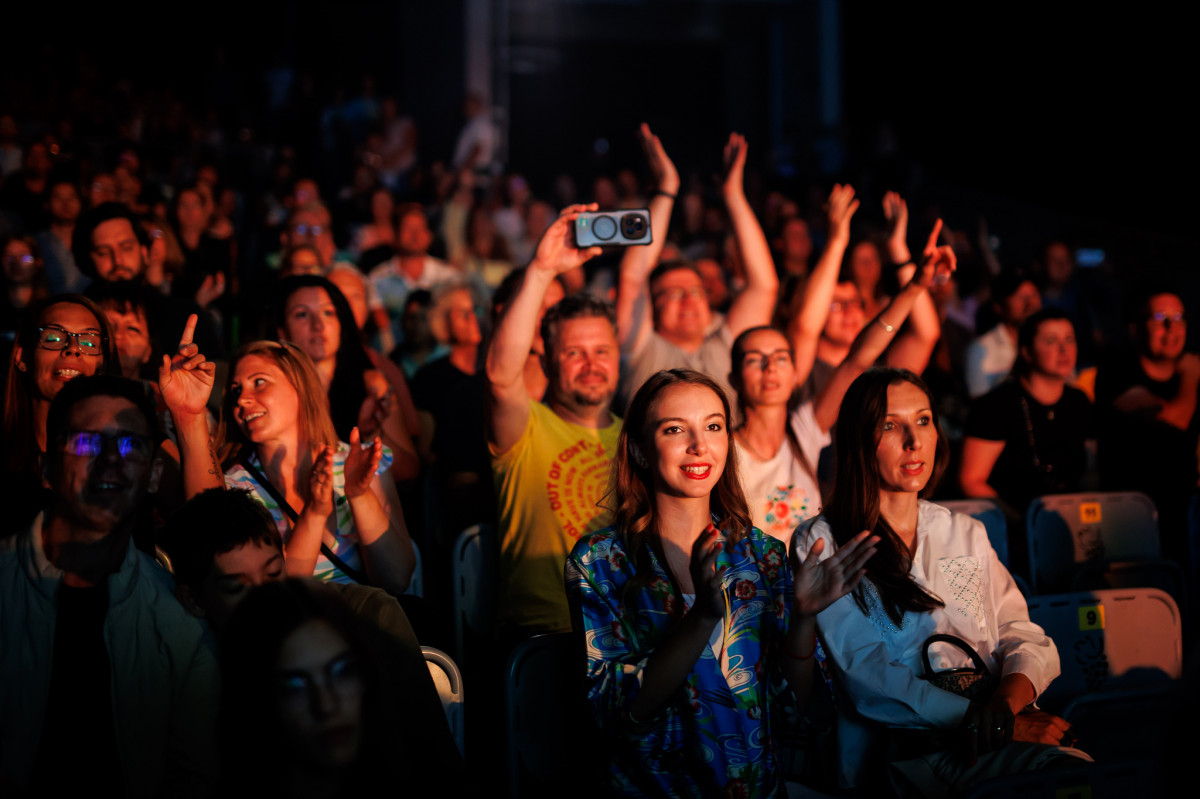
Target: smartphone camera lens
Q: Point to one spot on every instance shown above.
(633, 226)
(604, 228)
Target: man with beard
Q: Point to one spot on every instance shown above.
(110, 245)
(550, 462)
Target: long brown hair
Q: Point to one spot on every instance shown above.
(631, 489)
(316, 426)
(854, 505)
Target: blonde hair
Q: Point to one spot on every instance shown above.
(316, 425)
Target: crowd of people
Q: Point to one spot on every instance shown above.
(710, 457)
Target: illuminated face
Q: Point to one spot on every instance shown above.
(311, 227)
(266, 405)
(412, 234)
(797, 243)
(64, 202)
(192, 211)
(1021, 304)
(1165, 328)
(583, 365)
(462, 325)
(51, 369)
(1059, 264)
(318, 693)
(103, 190)
(312, 323)
(99, 489)
(131, 334)
(232, 576)
(116, 252)
(680, 305)
(767, 372)
(19, 264)
(1054, 349)
(865, 264)
(689, 438)
(907, 440)
(846, 315)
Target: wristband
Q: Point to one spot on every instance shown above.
(661, 193)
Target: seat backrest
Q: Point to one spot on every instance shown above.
(547, 716)
(448, 680)
(1065, 529)
(416, 585)
(474, 575)
(993, 520)
(1109, 640)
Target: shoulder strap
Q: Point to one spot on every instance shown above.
(260, 478)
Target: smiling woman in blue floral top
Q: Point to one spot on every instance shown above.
(693, 621)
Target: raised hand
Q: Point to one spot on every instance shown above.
(666, 177)
(937, 262)
(706, 577)
(186, 380)
(361, 464)
(213, 286)
(320, 485)
(817, 583)
(895, 210)
(839, 209)
(557, 251)
(734, 159)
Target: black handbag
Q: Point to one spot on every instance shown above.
(974, 682)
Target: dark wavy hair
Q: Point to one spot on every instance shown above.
(347, 391)
(631, 488)
(854, 504)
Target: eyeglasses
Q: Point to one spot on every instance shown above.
(841, 306)
(1161, 318)
(760, 360)
(677, 294)
(87, 444)
(307, 230)
(55, 338)
(341, 676)
(24, 260)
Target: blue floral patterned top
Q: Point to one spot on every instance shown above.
(714, 737)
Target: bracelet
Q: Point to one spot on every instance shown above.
(661, 193)
(885, 325)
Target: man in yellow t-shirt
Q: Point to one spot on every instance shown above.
(550, 461)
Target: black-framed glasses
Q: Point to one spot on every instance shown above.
(55, 338)
(89, 444)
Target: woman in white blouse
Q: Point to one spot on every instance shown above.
(934, 572)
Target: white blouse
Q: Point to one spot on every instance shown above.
(877, 663)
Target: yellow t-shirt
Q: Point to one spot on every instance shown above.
(547, 487)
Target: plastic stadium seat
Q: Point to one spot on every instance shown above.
(448, 681)
(474, 576)
(1109, 640)
(1069, 529)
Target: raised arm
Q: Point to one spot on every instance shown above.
(508, 401)
(938, 264)
(914, 347)
(756, 303)
(805, 326)
(186, 382)
(633, 295)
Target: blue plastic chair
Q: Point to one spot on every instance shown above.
(1068, 529)
(1110, 640)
